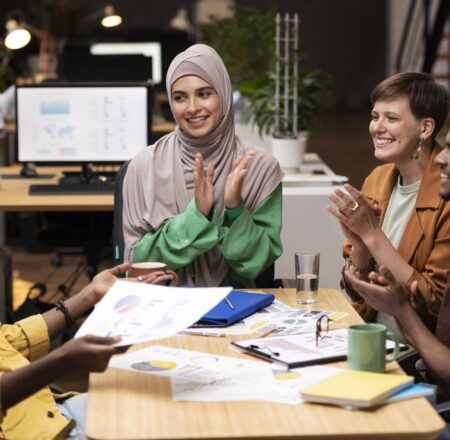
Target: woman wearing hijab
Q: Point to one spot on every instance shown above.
(398, 219)
(200, 199)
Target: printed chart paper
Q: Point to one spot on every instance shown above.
(143, 312)
(198, 376)
(203, 376)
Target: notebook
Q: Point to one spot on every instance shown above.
(417, 390)
(360, 389)
(237, 305)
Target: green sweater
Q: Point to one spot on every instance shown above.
(249, 241)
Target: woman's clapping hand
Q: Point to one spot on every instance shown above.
(235, 179)
(203, 185)
(356, 214)
(203, 182)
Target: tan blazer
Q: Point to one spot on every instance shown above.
(425, 243)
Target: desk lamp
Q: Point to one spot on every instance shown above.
(17, 33)
(110, 19)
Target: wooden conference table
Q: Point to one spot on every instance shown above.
(127, 405)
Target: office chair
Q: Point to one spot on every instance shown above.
(117, 236)
(264, 280)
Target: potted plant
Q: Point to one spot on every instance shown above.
(285, 103)
(253, 73)
(260, 110)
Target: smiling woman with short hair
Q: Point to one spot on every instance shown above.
(398, 219)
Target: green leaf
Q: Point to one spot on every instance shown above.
(234, 40)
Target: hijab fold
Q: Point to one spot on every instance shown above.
(159, 181)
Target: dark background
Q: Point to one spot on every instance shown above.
(345, 38)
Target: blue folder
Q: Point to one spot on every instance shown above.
(244, 303)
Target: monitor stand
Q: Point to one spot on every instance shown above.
(28, 171)
(87, 175)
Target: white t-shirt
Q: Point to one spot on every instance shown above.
(401, 206)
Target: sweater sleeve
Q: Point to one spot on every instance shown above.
(28, 336)
(179, 240)
(250, 241)
(2, 414)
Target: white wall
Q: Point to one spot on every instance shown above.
(397, 11)
(219, 8)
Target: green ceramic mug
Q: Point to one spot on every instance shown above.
(367, 347)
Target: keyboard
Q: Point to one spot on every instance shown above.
(79, 188)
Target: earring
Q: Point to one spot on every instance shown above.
(415, 156)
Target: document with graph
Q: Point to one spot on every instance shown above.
(143, 312)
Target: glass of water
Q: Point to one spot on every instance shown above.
(307, 277)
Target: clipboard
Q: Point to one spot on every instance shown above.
(300, 350)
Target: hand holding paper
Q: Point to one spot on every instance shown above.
(143, 312)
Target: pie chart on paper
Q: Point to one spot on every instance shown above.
(127, 304)
(155, 365)
(286, 375)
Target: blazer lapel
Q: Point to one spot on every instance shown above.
(427, 198)
(380, 190)
(411, 237)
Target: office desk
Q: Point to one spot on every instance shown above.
(14, 194)
(126, 405)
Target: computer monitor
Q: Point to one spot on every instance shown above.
(78, 123)
(149, 50)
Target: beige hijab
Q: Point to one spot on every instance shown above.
(159, 181)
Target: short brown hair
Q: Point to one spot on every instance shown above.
(427, 98)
